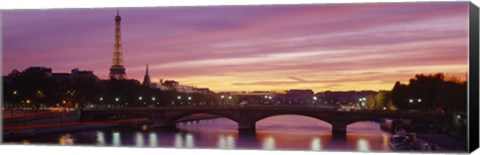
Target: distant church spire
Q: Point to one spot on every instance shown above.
(117, 70)
(146, 79)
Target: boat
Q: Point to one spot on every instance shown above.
(403, 141)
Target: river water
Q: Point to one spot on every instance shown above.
(288, 132)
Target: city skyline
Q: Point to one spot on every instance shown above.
(247, 48)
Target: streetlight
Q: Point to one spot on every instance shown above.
(27, 102)
(410, 100)
(101, 98)
(419, 100)
(179, 97)
(14, 92)
(140, 98)
(153, 98)
(117, 99)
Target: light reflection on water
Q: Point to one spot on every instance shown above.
(275, 133)
(178, 140)
(268, 143)
(153, 139)
(316, 144)
(138, 139)
(226, 142)
(363, 145)
(386, 139)
(100, 138)
(190, 142)
(230, 142)
(116, 141)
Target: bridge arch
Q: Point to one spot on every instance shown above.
(266, 116)
(177, 117)
(292, 119)
(170, 119)
(366, 125)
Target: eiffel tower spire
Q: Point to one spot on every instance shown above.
(117, 70)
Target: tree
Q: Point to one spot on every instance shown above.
(400, 93)
(380, 100)
(430, 92)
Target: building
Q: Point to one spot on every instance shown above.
(343, 97)
(204, 91)
(300, 94)
(146, 80)
(76, 73)
(168, 84)
(61, 76)
(248, 98)
(117, 70)
(295, 96)
(47, 72)
(172, 85)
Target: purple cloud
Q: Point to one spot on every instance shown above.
(293, 44)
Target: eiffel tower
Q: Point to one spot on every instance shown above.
(117, 70)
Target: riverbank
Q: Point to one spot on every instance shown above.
(432, 142)
(23, 130)
(443, 142)
(20, 132)
(40, 118)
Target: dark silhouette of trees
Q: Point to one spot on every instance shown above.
(36, 87)
(431, 93)
(380, 101)
(29, 87)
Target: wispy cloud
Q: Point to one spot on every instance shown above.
(334, 46)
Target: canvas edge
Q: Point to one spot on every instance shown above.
(1, 79)
(473, 82)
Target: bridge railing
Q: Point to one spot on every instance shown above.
(247, 107)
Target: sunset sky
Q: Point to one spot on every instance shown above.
(236, 48)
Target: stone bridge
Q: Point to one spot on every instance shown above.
(246, 118)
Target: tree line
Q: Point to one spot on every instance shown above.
(35, 88)
(432, 92)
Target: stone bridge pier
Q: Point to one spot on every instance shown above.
(161, 120)
(339, 129)
(159, 123)
(247, 125)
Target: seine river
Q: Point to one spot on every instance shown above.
(288, 132)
